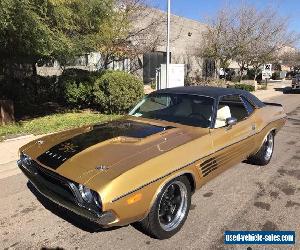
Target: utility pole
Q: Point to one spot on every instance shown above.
(168, 44)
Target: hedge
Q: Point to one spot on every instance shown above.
(117, 92)
(246, 87)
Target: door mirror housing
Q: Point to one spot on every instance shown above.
(231, 121)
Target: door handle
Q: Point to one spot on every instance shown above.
(253, 126)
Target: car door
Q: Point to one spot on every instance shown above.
(232, 144)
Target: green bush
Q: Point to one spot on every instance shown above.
(79, 94)
(30, 90)
(246, 87)
(276, 75)
(78, 87)
(117, 91)
(251, 74)
(78, 75)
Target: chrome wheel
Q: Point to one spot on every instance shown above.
(268, 146)
(173, 206)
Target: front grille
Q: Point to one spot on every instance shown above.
(59, 185)
(54, 182)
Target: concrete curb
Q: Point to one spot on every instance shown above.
(20, 138)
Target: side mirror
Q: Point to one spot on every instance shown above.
(231, 121)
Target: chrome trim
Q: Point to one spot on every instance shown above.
(269, 142)
(182, 209)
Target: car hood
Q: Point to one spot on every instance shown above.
(108, 149)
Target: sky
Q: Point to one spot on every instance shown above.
(200, 10)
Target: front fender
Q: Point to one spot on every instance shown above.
(128, 213)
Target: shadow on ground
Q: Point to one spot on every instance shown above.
(288, 90)
(67, 215)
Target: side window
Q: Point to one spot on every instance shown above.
(250, 108)
(230, 106)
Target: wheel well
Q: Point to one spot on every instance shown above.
(274, 131)
(191, 181)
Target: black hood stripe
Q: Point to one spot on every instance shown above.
(63, 151)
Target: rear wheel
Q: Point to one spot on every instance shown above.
(169, 211)
(264, 155)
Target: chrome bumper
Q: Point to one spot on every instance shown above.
(42, 186)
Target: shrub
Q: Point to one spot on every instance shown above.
(29, 90)
(75, 74)
(79, 94)
(78, 87)
(153, 85)
(246, 87)
(251, 74)
(117, 91)
(276, 75)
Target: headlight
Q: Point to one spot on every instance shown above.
(86, 193)
(25, 159)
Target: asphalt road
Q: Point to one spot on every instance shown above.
(245, 197)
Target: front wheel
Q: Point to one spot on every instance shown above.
(264, 155)
(169, 211)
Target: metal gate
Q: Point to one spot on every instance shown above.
(151, 62)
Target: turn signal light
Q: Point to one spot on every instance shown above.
(134, 198)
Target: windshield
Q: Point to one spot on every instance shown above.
(185, 109)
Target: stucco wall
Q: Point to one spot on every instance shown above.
(186, 37)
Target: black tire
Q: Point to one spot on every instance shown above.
(152, 225)
(264, 155)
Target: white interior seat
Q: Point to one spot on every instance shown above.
(222, 114)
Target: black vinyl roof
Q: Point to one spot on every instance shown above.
(213, 92)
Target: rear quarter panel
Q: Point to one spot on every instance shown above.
(268, 118)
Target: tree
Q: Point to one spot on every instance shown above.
(262, 34)
(249, 36)
(291, 59)
(33, 30)
(217, 39)
(132, 30)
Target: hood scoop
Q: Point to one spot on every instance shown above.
(57, 155)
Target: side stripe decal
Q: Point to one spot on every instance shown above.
(191, 163)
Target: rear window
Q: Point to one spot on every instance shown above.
(254, 100)
(248, 105)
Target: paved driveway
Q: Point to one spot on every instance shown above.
(245, 197)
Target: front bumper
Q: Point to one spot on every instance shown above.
(48, 190)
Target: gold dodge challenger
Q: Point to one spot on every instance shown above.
(145, 167)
